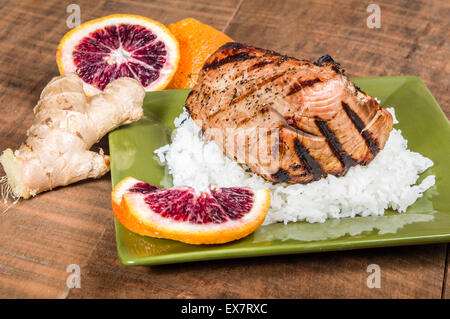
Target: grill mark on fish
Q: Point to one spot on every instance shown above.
(371, 142)
(282, 176)
(309, 163)
(291, 123)
(257, 87)
(299, 85)
(336, 147)
(338, 69)
(283, 59)
(236, 46)
(293, 127)
(295, 166)
(231, 45)
(259, 65)
(239, 74)
(359, 89)
(242, 56)
(326, 59)
(356, 120)
(190, 93)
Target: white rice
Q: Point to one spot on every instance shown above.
(387, 182)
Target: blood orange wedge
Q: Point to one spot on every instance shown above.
(120, 45)
(126, 185)
(215, 216)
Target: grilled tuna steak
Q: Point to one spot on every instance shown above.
(301, 120)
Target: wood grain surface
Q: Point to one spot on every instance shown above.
(40, 237)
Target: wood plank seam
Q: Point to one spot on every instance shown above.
(238, 7)
(444, 279)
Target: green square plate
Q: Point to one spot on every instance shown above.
(427, 221)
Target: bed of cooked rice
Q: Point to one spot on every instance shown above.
(389, 181)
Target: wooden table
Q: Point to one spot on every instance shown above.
(39, 238)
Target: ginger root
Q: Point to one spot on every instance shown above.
(66, 125)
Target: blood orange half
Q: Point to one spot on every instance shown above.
(217, 215)
(104, 49)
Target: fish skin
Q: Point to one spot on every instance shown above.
(314, 120)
